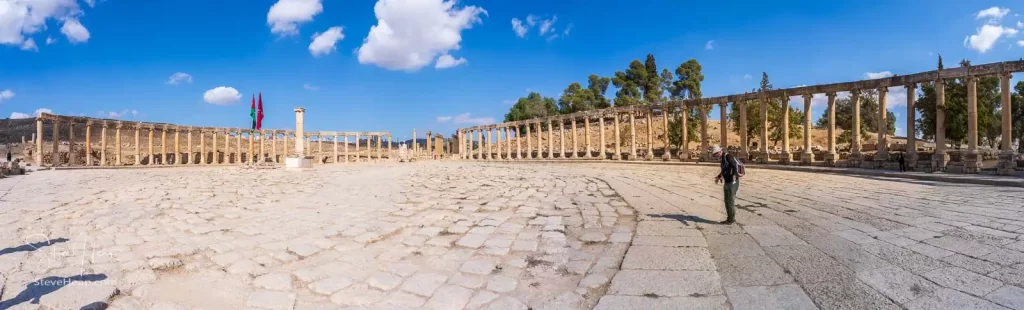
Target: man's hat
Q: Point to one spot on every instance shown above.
(716, 149)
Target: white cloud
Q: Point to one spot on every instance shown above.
(118, 115)
(710, 45)
(6, 94)
(179, 77)
(50, 40)
(310, 87)
(222, 95)
(877, 75)
(323, 43)
(40, 111)
(74, 31)
(465, 118)
(285, 16)
(19, 115)
(994, 14)
(987, 36)
(547, 25)
(410, 34)
(1020, 43)
(29, 45)
(1020, 25)
(747, 77)
(447, 61)
(20, 19)
(508, 101)
(519, 28)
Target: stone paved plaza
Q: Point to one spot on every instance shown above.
(438, 235)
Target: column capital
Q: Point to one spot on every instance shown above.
(830, 95)
(723, 104)
(808, 96)
(1006, 75)
(972, 78)
(104, 124)
(88, 122)
(940, 82)
(883, 90)
(855, 93)
(910, 86)
(120, 125)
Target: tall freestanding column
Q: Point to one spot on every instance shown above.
(177, 146)
(603, 151)
(855, 156)
(786, 157)
(561, 138)
(617, 135)
(972, 160)
(202, 146)
(188, 147)
(724, 115)
(39, 142)
(519, 145)
(300, 161)
(117, 140)
(650, 134)
(529, 146)
(103, 144)
(632, 134)
(238, 146)
(71, 143)
(1007, 163)
(667, 153)
(684, 122)
(150, 142)
(763, 156)
(551, 139)
(940, 158)
(807, 157)
(490, 154)
(163, 145)
(586, 137)
(138, 144)
(882, 153)
(88, 143)
(704, 110)
(832, 156)
(911, 156)
(215, 159)
(575, 138)
(742, 128)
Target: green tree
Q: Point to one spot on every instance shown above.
(629, 83)
(598, 86)
(532, 106)
(775, 113)
(868, 116)
(666, 84)
(651, 85)
(575, 99)
(956, 108)
(687, 86)
(1017, 116)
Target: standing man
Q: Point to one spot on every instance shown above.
(903, 163)
(731, 178)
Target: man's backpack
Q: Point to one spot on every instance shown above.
(740, 171)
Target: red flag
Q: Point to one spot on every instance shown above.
(259, 114)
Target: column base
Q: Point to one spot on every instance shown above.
(632, 157)
(616, 156)
(939, 162)
(785, 158)
(881, 159)
(831, 159)
(649, 156)
(910, 160)
(742, 155)
(298, 163)
(1007, 164)
(806, 158)
(972, 162)
(683, 155)
(855, 160)
(666, 156)
(763, 158)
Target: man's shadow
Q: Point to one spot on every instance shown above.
(41, 287)
(32, 246)
(685, 219)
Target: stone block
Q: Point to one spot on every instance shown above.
(271, 300)
(670, 241)
(665, 283)
(808, 264)
(899, 285)
(449, 297)
(1009, 296)
(788, 296)
(963, 280)
(667, 258)
(424, 284)
(847, 294)
(274, 281)
(618, 302)
(734, 245)
(948, 299)
(772, 236)
(751, 271)
(666, 228)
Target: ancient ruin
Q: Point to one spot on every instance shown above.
(477, 142)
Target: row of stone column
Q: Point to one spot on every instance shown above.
(485, 149)
(257, 149)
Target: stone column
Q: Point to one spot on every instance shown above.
(704, 140)
(335, 140)
(561, 138)
(529, 146)
(586, 137)
(390, 149)
(117, 140)
(786, 157)
(808, 156)
(603, 152)
(55, 158)
(972, 160)
(855, 156)
(320, 148)
(575, 138)
(251, 156)
(519, 145)
(344, 146)
(300, 132)
(723, 110)
(832, 156)
(202, 145)
(1007, 163)
(149, 150)
(71, 143)
(380, 148)
(489, 153)
(284, 143)
(103, 144)
(163, 145)
(238, 145)
(763, 156)
(911, 156)
(882, 153)
(742, 128)
(177, 146)
(189, 147)
(213, 135)
(508, 142)
(415, 151)
(551, 139)
(667, 154)
(618, 139)
(940, 158)
(138, 144)
(39, 142)
(684, 122)
(632, 135)
(88, 143)
(650, 134)
(263, 152)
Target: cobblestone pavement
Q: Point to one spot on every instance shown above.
(503, 236)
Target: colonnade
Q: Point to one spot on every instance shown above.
(177, 144)
(485, 142)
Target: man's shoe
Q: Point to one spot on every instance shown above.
(727, 222)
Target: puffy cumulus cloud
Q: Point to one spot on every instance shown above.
(545, 27)
(19, 115)
(179, 77)
(877, 75)
(6, 94)
(519, 28)
(40, 111)
(466, 118)
(221, 95)
(993, 14)
(1020, 43)
(323, 43)
(410, 34)
(285, 16)
(74, 31)
(20, 19)
(447, 61)
(987, 36)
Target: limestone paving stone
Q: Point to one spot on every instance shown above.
(667, 258)
(1008, 296)
(963, 280)
(666, 283)
(788, 296)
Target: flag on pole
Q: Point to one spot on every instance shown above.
(259, 114)
(252, 113)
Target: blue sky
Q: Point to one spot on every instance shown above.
(112, 57)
